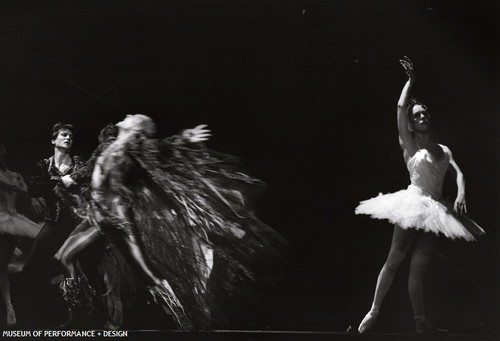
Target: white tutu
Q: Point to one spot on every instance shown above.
(11, 222)
(17, 225)
(413, 208)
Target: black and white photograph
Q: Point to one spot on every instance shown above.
(254, 170)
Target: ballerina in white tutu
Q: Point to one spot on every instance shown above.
(12, 224)
(417, 212)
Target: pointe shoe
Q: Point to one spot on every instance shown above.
(368, 322)
(422, 326)
(11, 316)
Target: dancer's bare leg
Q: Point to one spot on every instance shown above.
(6, 252)
(75, 289)
(130, 247)
(401, 243)
(423, 252)
(83, 236)
(128, 243)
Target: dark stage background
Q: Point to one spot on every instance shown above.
(305, 92)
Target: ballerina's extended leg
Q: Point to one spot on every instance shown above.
(401, 242)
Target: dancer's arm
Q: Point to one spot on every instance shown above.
(459, 207)
(197, 134)
(406, 140)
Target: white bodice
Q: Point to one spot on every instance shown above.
(427, 173)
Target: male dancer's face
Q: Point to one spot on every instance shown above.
(63, 140)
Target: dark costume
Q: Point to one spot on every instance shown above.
(58, 219)
(164, 202)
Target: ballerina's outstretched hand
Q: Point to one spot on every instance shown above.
(408, 66)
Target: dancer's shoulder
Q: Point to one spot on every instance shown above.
(445, 149)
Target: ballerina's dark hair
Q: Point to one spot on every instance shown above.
(413, 102)
(59, 126)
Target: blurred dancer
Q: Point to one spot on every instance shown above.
(165, 203)
(76, 289)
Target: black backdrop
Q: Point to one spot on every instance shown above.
(305, 93)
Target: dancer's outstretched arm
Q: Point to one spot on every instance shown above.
(198, 134)
(406, 140)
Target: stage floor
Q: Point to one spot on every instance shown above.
(251, 335)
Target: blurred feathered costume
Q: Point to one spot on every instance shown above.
(185, 200)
